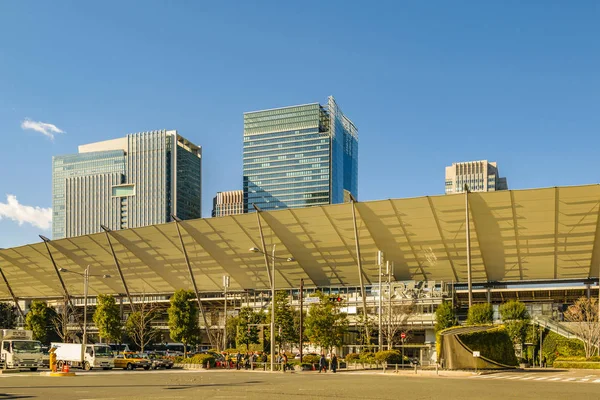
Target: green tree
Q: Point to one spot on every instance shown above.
(516, 320)
(8, 318)
(38, 320)
(247, 332)
(183, 318)
(107, 319)
(480, 314)
(444, 316)
(325, 323)
(232, 324)
(284, 321)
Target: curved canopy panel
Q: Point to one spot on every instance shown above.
(550, 233)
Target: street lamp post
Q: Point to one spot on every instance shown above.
(86, 281)
(273, 258)
(225, 286)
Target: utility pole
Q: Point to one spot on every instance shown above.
(468, 225)
(380, 336)
(389, 269)
(301, 315)
(225, 286)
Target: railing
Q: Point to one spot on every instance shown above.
(554, 326)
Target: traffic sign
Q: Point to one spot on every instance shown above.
(403, 335)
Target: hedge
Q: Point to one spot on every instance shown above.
(592, 359)
(388, 356)
(200, 359)
(494, 344)
(576, 364)
(555, 345)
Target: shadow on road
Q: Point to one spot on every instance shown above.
(165, 386)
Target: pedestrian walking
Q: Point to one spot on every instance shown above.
(334, 363)
(238, 360)
(322, 363)
(284, 361)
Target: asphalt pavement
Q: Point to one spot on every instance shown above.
(218, 384)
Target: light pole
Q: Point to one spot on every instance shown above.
(273, 258)
(225, 286)
(86, 280)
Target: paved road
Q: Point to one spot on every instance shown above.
(171, 385)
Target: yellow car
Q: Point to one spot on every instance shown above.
(131, 361)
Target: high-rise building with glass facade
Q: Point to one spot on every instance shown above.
(299, 156)
(479, 176)
(141, 179)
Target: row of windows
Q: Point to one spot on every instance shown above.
(283, 165)
(287, 155)
(279, 149)
(281, 174)
(300, 186)
(264, 139)
(278, 181)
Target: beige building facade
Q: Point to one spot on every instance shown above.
(228, 203)
(479, 176)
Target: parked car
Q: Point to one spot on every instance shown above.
(132, 361)
(159, 361)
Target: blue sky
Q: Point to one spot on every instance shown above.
(426, 83)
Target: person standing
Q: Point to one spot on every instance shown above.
(334, 363)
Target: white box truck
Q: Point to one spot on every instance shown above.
(95, 356)
(19, 350)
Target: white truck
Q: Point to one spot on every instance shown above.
(19, 350)
(95, 356)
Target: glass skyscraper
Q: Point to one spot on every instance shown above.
(134, 181)
(299, 156)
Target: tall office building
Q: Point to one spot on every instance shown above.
(299, 156)
(134, 181)
(228, 203)
(480, 176)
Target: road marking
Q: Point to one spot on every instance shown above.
(514, 377)
(555, 379)
(542, 378)
(569, 379)
(528, 378)
(597, 380)
(584, 380)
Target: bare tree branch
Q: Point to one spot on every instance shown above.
(584, 318)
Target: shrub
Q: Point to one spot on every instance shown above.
(494, 344)
(388, 356)
(311, 359)
(480, 314)
(352, 358)
(444, 316)
(367, 358)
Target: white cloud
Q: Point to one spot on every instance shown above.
(36, 216)
(44, 128)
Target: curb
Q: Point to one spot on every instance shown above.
(57, 374)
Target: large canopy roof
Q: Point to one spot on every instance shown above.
(547, 233)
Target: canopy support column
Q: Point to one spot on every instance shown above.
(360, 270)
(13, 295)
(62, 283)
(193, 279)
(262, 242)
(116, 261)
